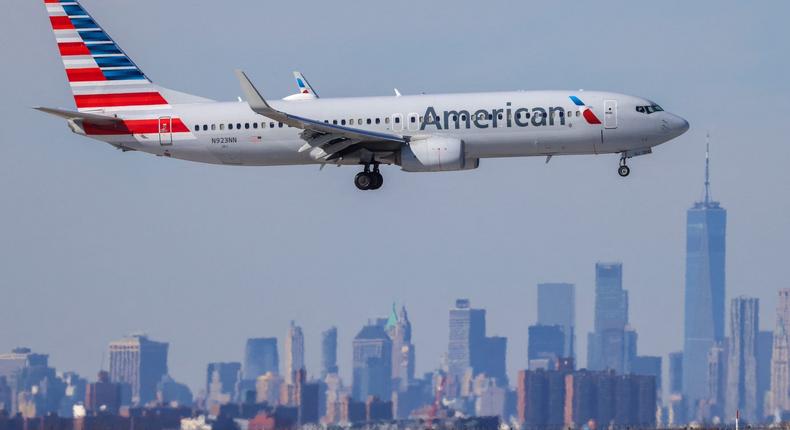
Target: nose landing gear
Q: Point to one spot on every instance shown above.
(623, 170)
(367, 180)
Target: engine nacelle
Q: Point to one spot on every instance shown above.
(435, 154)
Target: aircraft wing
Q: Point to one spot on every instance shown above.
(326, 142)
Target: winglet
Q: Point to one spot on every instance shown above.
(251, 93)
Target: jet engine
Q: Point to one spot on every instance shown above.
(435, 154)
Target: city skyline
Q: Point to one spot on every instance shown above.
(139, 369)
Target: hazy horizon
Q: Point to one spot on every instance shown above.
(98, 243)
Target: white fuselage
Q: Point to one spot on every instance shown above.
(490, 125)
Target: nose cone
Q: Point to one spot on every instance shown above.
(677, 125)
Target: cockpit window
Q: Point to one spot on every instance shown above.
(649, 109)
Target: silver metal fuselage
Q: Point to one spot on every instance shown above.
(622, 128)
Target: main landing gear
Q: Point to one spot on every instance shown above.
(367, 180)
(623, 170)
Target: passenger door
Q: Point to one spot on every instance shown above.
(165, 131)
(610, 114)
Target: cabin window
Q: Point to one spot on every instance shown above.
(279, 124)
(397, 120)
(412, 119)
(222, 126)
(378, 120)
(247, 125)
(342, 122)
(197, 128)
(369, 121)
(205, 127)
(359, 121)
(213, 127)
(334, 121)
(254, 125)
(463, 117)
(271, 125)
(387, 120)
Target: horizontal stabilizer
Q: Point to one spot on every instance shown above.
(90, 117)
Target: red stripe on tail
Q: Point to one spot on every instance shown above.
(73, 48)
(85, 75)
(61, 23)
(118, 100)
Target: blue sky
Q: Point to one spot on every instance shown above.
(97, 243)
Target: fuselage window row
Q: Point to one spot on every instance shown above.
(397, 119)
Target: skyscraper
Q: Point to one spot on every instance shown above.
(742, 361)
(546, 345)
(260, 356)
(467, 338)
(715, 403)
(294, 352)
(494, 359)
(765, 341)
(399, 330)
(328, 352)
(706, 224)
(222, 380)
(608, 344)
(676, 372)
(557, 306)
(779, 397)
(103, 395)
(372, 374)
(140, 363)
(646, 365)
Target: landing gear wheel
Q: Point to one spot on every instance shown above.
(378, 181)
(363, 180)
(623, 171)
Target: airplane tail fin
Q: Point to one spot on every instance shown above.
(102, 77)
(306, 92)
(304, 86)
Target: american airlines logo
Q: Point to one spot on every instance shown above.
(507, 117)
(493, 118)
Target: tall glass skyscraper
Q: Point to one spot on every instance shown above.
(607, 345)
(557, 306)
(706, 224)
(328, 352)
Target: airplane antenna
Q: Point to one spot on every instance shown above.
(707, 169)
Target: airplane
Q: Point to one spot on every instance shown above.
(118, 104)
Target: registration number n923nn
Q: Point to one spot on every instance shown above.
(223, 140)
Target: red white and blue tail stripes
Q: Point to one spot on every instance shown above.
(101, 75)
(588, 114)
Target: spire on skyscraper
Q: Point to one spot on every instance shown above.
(392, 321)
(707, 169)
